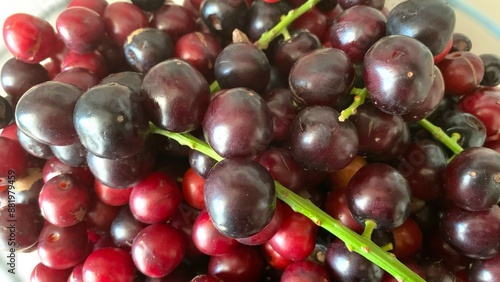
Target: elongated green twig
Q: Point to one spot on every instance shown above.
(358, 243)
(440, 135)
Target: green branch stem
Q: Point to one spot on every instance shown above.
(276, 31)
(440, 135)
(359, 99)
(355, 242)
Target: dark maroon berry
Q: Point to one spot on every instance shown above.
(431, 22)
(81, 29)
(146, 47)
(17, 77)
(45, 113)
(176, 95)
(321, 78)
(248, 184)
(380, 193)
(242, 65)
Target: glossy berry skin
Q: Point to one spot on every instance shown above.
(29, 38)
(305, 271)
(222, 17)
(377, 131)
(320, 142)
(131, 79)
(472, 179)
(155, 199)
(423, 165)
(200, 163)
(358, 268)
(17, 77)
(484, 270)
(287, 52)
(192, 189)
(431, 103)
(97, 6)
(157, 250)
(314, 21)
(121, 173)
(295, 239)
(44, 113)
(473, 234)
(472, 131)
(408, 240)
(461, 42)
(242, 202)
(208, 239)
(262, 16)
(33, 147)
(462, 72)
(380, 193)
(249, 67)
(238, 124)
(107, 113)
(63, 247)
(491, 63)
(93, 61)
(28, 224)
(271, 228)
(398, 74)
(109, 264)
(176, 95)
(431, 22)
(146, 47)
(174, 20)
(79, 77)
(54, 167)
(280, 102)
(73, 155)
(483, 103)
(242, 263)
(283, 168)
(81, 29)
(125, 228)
(356, 30)
(346, 4)
(322, 77)
(200, 50)
(64, 200)
(42, 273)
(148, 5)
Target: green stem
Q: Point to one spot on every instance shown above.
(277, 30)
(359, 99)
(358, 243)
(369, 227)
(440, 135)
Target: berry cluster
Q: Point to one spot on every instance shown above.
(209, 141)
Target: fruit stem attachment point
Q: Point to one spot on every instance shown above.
(387, 247)
(214, 87)
(359, 99)
(369, 227)
(440, 135)
(357, 242)
(455, 136)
